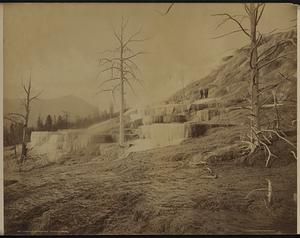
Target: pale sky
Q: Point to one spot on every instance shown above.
(60, 45)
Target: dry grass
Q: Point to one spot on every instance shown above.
(152, 192)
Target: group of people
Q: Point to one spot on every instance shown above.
(203, 93)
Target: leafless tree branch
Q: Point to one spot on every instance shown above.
(260, 13)
(134, 55)
(15, 114)
(271, 61)
(15, 120)
(236, 21)
(36, 96)
(131, 87)
(167, 11)
(108, 80)
(228, 19)
(110, 68)
(284, 77)
(276, 133)
(117, 36)
(271, 51)
(226, 34)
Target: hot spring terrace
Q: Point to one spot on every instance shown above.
(151, 127)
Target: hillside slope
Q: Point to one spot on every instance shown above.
(229, 83)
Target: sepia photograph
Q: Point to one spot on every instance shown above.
(149, 118)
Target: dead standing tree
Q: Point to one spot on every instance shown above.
(253, 13)
(257, 59)
(23, 118)
(121, 68)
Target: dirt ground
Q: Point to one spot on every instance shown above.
(161, 191)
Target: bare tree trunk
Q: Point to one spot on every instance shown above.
(121, 133)
(277, 125)
(24, 150)
(27, 111)
(254, 83)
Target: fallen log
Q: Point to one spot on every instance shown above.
(209, 177)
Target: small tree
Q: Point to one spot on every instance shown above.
(23, 118)
(60, 122)
(48, 123)
(66, 119)
(40, 125)
(54, 123)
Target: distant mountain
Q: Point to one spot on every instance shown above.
(75, 106)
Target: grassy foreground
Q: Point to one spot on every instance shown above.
(161, 191)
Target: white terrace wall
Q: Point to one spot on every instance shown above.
(162, 134)
(55, 144)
